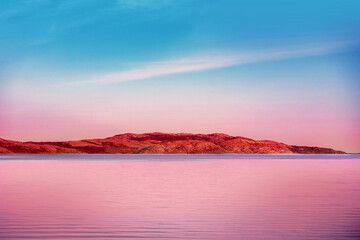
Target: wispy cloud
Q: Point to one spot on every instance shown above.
(191, 64)
(8, 13)
(144, 3)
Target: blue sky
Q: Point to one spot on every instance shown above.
(246, 65)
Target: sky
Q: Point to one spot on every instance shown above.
(279, 70)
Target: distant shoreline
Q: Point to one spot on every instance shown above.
(162, 143)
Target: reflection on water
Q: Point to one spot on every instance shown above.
(179, 198)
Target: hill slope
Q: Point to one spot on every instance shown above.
(157, 143)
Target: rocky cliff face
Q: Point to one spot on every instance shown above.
(158, 143)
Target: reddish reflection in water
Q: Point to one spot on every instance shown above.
(208, 199)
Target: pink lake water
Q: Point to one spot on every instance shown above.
(179, 197)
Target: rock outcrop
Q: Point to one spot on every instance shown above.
(162, 143)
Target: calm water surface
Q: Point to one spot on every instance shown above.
(179, 197)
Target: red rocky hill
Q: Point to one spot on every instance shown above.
(156, 143)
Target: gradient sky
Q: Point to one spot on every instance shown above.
(279, 70)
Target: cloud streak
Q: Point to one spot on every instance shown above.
(145, 3)
(192, 64)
